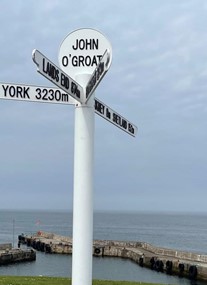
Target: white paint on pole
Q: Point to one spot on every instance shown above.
(81, 51)
(113, 117)
(98, 74)
(57, 76)
(83, 191)
(31, 93)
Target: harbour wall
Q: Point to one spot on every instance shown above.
(12, 255)
(169, 261)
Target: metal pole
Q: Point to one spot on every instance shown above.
(83, 190)
(13, 231)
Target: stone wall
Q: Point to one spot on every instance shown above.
(5, 246)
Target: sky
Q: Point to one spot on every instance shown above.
(157, 80)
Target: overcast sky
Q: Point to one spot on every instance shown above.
(157, 80)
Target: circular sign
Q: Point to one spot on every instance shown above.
(81, 51)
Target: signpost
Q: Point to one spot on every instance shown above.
(80, 55)
(85, 56)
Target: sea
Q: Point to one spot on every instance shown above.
(181, 231)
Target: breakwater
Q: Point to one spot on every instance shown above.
(12, 255)
(169, 261)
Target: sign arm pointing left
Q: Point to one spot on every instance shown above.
(49, 70)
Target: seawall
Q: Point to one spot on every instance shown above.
(12, 255)
(169, 261)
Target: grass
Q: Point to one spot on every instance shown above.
(30, 280)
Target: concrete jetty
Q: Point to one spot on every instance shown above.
(169, 261)
(12, 255)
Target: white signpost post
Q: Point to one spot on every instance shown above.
(85, 56)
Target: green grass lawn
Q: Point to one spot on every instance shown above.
(29, 280)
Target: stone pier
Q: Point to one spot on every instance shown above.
(12, 255)
(169, 261)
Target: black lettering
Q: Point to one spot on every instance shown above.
(57, 75)
(114, 118)
(16, 91)
(58, 95)
(51, 70)
(26, 90)
(119, 121)
(95, 44)
(51, 95)
(65, 81)
(5, 89)
(78, 93)
(74, 61)
(130, 128)
(81, 60)
(65, 61)
(62, 77)
(108, 113)
(73, 88)
(124, 124)
(12, 91)
(102, 108)
(99, 107)
(87, 60)
(88, 44)
(75, 46)
(44, 97)
(99, 57)
(85, 44)
(94, 61)
(81, 44)
(64, 96)
(97, 74)
(19, 92)
(38, 95)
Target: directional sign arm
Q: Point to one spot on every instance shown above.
(98, 74)
(31, 93)
(57, 76)
(113, 117)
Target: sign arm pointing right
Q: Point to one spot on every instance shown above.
(113, 117)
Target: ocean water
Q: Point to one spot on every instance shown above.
(172, 230)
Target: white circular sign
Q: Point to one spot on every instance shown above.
(81, 51)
